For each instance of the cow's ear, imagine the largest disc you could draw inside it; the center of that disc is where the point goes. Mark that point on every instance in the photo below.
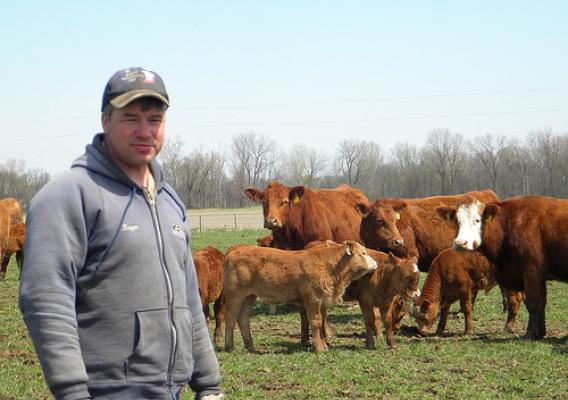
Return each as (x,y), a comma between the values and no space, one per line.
(393,260)
(254,194)
(446,212)
(296,194)
(491,210)
(348,247)
(399,205)
(363,208)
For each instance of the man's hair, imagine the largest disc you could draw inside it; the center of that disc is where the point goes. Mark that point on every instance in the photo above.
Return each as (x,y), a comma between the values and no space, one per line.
(145,103)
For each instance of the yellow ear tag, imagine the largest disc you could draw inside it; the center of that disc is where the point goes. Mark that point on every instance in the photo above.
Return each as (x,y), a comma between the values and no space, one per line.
(397,215)
(296,199)
(488,219)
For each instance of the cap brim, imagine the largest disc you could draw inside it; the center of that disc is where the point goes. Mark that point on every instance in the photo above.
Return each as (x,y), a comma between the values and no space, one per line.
(126,98)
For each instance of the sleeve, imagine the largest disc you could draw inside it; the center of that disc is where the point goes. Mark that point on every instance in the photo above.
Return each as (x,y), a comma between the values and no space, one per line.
(206,378)
(55,249)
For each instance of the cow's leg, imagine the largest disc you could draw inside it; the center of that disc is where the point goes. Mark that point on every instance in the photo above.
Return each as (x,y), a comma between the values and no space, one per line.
(444,311)
(244,322)
(535,301)
(514,300)
(326,332)
(206,312)
(504,298)
(315,320)
(304,327)
(386,316)
(369,317)
(232,309)
(219,311)
(4,266)
(466,305)
(20,261)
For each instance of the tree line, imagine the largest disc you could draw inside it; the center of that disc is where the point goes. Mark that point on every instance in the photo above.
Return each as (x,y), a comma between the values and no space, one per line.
(447,163)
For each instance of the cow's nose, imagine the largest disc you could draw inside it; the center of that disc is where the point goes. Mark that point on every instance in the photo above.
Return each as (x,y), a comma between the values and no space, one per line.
(398,242)
(460,243)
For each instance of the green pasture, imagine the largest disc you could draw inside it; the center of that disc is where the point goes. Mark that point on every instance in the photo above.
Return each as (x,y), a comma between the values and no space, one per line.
(489,364)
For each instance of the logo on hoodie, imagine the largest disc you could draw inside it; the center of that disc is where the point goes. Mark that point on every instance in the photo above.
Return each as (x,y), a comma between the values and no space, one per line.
(129,228)
(177,231)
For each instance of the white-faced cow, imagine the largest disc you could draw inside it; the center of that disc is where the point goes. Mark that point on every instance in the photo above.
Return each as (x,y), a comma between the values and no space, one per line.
(526,238)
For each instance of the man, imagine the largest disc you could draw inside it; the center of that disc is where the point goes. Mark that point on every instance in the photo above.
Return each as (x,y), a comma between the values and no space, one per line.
(109,291)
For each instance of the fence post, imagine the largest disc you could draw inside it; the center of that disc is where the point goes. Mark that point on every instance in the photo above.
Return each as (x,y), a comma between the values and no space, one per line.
(235,218)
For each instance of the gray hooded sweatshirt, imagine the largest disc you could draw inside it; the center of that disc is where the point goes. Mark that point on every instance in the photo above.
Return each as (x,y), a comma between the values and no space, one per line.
(109,291)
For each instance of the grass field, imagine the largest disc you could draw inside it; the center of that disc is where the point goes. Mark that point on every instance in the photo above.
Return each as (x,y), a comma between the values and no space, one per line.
(489,364)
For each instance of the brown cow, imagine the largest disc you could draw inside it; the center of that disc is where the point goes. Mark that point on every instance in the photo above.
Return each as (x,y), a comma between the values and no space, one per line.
(385,288)
(315,278)
(525,238)
(4,238)
(300,215)
(15,244)
(209,267)
(458,276)
(412,227)
(14,208)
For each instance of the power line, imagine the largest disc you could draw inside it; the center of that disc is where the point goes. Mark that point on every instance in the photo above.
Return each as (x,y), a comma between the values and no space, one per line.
(317,122)
(416,117)
(315,102)
(375,100)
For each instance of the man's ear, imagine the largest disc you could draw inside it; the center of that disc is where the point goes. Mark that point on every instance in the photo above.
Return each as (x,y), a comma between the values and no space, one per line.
(104,121)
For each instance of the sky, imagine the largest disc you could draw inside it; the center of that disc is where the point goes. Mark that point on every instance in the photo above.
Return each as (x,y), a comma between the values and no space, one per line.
(300,72)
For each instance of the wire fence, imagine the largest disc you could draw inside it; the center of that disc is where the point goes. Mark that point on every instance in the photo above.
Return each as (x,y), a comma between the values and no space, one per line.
(241,220)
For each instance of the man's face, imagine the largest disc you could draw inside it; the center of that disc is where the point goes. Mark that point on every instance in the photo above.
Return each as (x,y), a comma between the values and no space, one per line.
(134,135)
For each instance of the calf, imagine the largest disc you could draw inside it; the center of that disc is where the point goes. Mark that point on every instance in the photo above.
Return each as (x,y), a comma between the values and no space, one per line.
(315,279)
(386,288)
(209,267)
(457,276)
(14,244)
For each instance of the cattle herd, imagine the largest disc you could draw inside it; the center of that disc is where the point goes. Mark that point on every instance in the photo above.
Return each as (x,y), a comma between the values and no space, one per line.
(331,245)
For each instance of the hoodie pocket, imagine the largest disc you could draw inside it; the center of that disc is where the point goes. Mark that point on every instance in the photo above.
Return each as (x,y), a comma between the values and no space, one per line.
(183,367)
(149,360)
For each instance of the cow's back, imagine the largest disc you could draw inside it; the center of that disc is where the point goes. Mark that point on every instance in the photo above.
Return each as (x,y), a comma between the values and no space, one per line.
(325,214)
(14,209)
(535,227)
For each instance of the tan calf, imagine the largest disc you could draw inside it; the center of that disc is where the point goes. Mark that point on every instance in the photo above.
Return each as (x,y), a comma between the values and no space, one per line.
(386,288)
(315,279)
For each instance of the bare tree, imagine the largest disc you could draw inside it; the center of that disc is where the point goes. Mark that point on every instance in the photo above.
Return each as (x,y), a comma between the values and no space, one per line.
(357,162)
(252,162)
(303,166)
(444,151)
(491,152)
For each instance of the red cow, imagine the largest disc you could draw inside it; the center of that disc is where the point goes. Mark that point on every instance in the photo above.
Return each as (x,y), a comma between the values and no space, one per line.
(209,267)
(412,227)
(15,244)
(525,238)
(300,215)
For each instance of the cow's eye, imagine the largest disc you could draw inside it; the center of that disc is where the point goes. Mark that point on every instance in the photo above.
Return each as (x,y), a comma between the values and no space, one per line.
(477,220)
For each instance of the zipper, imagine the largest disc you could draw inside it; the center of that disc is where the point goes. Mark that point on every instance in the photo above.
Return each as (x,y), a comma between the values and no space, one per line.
(151,200)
